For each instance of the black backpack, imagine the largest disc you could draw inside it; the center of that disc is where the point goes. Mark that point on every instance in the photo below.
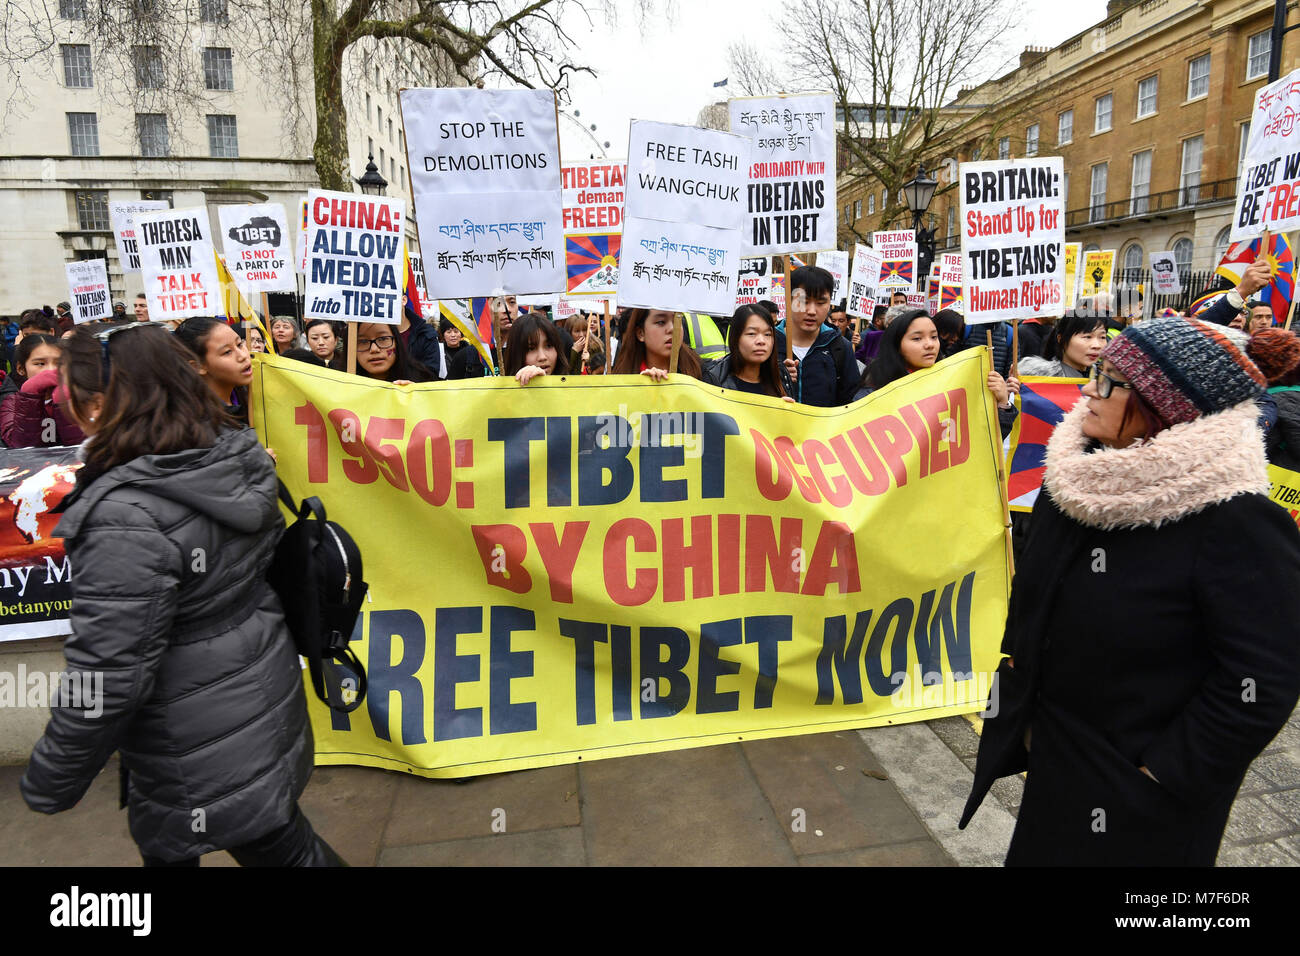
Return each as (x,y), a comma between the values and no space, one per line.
(317,574)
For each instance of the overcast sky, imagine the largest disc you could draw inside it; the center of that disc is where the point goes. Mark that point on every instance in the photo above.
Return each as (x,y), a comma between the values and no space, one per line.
(666,70)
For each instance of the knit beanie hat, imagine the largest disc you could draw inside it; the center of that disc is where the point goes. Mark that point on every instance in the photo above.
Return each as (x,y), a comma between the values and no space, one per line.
(1183,368)
(1275,351)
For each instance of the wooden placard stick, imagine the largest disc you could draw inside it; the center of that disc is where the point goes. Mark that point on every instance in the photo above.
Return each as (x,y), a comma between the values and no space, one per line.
(787,294)
(352,348)
(678,331)
(1015,346)
(607,361)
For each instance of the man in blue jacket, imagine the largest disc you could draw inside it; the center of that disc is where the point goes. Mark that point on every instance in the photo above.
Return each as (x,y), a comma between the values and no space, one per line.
(820,360)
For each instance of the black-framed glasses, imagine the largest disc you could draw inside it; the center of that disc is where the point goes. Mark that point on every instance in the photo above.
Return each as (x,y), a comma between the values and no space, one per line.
(383,342)
(1106,384)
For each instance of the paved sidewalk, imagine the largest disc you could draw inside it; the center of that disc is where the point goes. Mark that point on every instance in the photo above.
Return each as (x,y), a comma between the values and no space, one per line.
(733,805)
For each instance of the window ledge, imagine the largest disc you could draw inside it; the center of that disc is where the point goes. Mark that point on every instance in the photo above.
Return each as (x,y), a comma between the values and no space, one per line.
(1195,99)
(1101,131)
(1139,119)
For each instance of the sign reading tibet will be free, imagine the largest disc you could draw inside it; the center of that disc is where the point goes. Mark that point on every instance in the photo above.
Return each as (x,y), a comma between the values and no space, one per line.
(354,257)
(485,170)
(1268,191)
(88,290)
(178,263)
(864,281)
(122,215)
(593,225)
(791,189)
(685,212)
(1013,239)
(256,240)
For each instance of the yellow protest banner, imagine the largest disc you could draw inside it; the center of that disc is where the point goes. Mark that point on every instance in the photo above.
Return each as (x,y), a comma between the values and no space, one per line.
(592,567)
(1098,267)
(1285,489)
(1071,273)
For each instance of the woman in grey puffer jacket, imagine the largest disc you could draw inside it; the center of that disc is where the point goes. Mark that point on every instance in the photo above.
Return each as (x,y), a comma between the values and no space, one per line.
(170,531)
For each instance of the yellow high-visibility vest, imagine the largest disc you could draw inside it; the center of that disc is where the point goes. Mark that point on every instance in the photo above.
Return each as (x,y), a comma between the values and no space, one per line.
(703,335)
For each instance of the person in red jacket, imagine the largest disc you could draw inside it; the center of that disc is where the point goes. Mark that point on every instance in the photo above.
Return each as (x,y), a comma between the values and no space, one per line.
(29,415)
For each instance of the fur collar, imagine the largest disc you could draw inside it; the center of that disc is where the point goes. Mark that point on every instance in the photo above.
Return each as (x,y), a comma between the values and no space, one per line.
(1179,472)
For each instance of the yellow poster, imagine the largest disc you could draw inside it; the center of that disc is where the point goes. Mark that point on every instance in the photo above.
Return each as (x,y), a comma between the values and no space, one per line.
(590,567)
(1098,267)
(1285,490)
(1071,273)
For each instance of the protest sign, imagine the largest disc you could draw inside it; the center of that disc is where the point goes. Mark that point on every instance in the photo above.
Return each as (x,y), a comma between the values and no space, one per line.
(300,255)
(917,300)
(950,282)
(1284,489)
(88,291)
(897,258)
(122,216)
(837,264)
(485,171)
(1268,188)
(417,269)
(932,288)
(354,257)
(593,223)
(1164,274)
(759,596)
(256,240)
(864,281)
(754,282)
(684,212)
(790,193)
(1013,237)
(35,575)
(1071,273)
(178,263)
(1098,267)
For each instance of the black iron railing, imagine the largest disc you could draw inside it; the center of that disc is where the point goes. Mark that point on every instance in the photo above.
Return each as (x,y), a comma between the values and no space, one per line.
(1152,204)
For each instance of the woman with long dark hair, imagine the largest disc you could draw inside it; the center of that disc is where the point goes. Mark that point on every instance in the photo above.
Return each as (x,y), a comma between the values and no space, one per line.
(171,527)
(221,359)
(28,406)
(1070,349)
(750,364)
(646,346)
(535,348)
(382,354)
(1151,629)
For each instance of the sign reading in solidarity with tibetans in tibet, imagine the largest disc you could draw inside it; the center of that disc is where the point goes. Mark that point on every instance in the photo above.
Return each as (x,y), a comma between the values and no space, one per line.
(837,264)
(685,213)
(354,257)
(790,196)
(593,225)
(88,290)
(178,263)
(1268,190)
(485,170)
(897,258)
(256,240)
(864,281)
(601,583)
(122,215)
(1013,238)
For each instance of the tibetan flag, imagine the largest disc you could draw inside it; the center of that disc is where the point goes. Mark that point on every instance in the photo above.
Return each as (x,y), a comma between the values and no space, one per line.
(1043,403)
(950,298)
(235,307)
(410,286)
(932,290)
(1204,302)
(899,269)
(1281,263)
(592,258)
(456,311)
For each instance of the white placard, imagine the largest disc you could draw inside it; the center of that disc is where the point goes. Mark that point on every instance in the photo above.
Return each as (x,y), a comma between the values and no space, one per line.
(1268,189)
(1013,239)
(178,263)
(354,257)
(864,281)
(256,242)
(1164,274)
(593,224)
(837,264)
(122,215)
(485,171)
(88,292)
(791,190)
(897,250)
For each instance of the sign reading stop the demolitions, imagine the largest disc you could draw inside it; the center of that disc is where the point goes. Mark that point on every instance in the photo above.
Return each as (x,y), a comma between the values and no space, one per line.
(593,225)
(1013,238)
(1268,192)
(178,263)
(354,257)
(88,290)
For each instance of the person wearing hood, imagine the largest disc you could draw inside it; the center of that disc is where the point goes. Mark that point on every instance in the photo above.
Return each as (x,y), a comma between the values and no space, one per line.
(1151,653)
(1277,354)
(818,359)
(171,527)
(421,338)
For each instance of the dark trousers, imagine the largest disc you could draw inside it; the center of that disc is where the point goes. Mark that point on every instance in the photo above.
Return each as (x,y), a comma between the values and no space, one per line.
(294,844)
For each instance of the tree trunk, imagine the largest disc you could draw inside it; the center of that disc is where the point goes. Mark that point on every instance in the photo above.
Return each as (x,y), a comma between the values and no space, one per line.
(330,151)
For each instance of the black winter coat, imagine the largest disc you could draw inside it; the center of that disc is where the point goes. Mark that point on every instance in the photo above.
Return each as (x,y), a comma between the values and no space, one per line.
(422,342)
(1283,439)
(1166,645)
(829,374)
(202,689)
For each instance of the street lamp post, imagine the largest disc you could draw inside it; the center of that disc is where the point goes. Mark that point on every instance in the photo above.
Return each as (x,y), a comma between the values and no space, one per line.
(919,191)
(372,182)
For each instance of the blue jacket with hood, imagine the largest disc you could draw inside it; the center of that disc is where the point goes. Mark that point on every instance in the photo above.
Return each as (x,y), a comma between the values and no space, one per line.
(828,374)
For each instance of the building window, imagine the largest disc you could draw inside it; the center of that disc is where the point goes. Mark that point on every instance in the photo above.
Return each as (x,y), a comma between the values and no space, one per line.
(1133,262)
(92,210)
(1065,128)
(152,130)
(148,67)
(976,153)
(1097,206)
(1141,186)
(1198,77)
(1241,152)
(1004,147)
(1031,140)
(884,199)
(379,114)
(848,213)
(218,69)
(871,205)
(83,134)
(390,130)
(1147,90)
(1065,191)
(72,9)
(381,160)
(1258,49)
(76,66)
(1190,181)
(952,221)
(165,195)
(401,177)
(857,209)
(1103,114)
(223,137)
(370,146)
(213,11)
(367,107)
(1183,257)
(392,169)
(1221,244)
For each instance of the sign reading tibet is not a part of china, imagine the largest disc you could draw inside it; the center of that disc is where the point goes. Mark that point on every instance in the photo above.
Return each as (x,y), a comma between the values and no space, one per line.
(1013,238)
(354,257)
(685,212)
(256,240)
(88,290)
(485,170)
(178,263)
(593,225)
(1268,190)
(791,189)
